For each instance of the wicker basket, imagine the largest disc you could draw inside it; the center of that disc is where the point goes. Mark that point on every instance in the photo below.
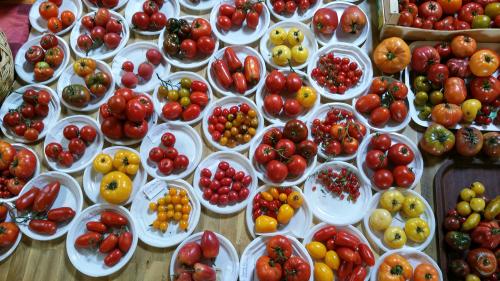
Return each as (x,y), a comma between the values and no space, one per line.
(6,67)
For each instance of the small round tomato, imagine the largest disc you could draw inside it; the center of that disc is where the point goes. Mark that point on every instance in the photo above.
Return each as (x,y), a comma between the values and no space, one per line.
(168,139)
(31,134)
(48,10)
(398,110)
(77,146)
(166,166)
(398,90)
(403,176)
(70,132)
(376,159)
(188,48)
(273,104)
(276,171)
(383,179)
(381,142)
(65,158)
(400,154)
(156,154)
(55,25)
(350,145)
(53,149)
(67,18)
(181,162)
(264,153)
(296,165)
(88,133)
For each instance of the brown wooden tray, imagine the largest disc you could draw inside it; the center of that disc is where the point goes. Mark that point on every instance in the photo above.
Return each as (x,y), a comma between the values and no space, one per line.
(454,175)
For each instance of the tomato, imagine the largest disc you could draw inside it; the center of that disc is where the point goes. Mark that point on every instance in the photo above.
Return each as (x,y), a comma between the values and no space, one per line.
(113,258)
(353,20)
(379,85)
(98,34)
(264,153)
(273,104)
(31,134)
(226,10)
(70,132)
(200,27)
(398,110)
(446,114)
(423,57)
(403,176)
(12,119)
(46,197)
(376,159)
(485,89)
(125,241)
(102,17)
(3,212)
(272,136)
(252,19)
(405,19)
(438,73)
(482,261)
(484,63)
(112,128)
(295,130)
(172,110)
(380,116)
(238,17)
(89,239)
(240,83)
(60,214)
(20,129)
(88,133)
(67,18)
(166,166)
(77,146)
(463,46)
(158,21)
(44,227)
(112,40)
(325,21)
(205,44)
(366,254)
(23,164)
(135,130)
(141,20)
(350,145)
(14,186)
(296,165)
(114,26)
(8,234)
(55,25)
(367,103)
(400,154)
(348,255)
(48,10)
(437,140)
(276,171)
(450,7)
(381,141)
(268,270)
(188,48)
(191,112)
(34,54)
(251,69)
(285,148)
(383,179)
(135,110)
(307,149)
(426,272)
(398,90)
(297,269)
(108,244)
(88,22)
(430,9)
(209,244)
(113,219)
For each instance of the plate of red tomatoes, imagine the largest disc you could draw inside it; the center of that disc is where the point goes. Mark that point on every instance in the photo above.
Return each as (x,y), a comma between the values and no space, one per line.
(99,35)
(389,160)
(42,59)
(340,71)
(102,240)
(188,42)
(336,130)
(282,154)
(29,112)
(149,17)
(139,66)
(11,236)
(171,151)
(340,22)
(241,113)
(57,16)
(239,22)
(58,195)
(114,5)
(277,255)
(338,193)
(72,143)
(384,107)
(293,10)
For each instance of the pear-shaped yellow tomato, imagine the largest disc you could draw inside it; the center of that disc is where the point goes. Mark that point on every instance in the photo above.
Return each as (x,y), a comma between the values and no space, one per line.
(266,224)
(413,207)
(278,36)
(281,55)
(380,219)
(115,187)
(317,250)
(285,214)
(322,272)
(417,230)
(470,108)
(394,237)
(332,259)
(392,200)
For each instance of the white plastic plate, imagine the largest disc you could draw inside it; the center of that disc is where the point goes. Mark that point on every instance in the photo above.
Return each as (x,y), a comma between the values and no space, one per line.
(15,99)
(188,142)
(339,35)
(355,54)
(92,7)
(303,17)
(198,7)
(417,165)
(175,78)
(242,52)
(391,126)
(7,251)
(239,35)
(40,24)
(101,53)
(55,134)
(266,47)
(144,218)
(330,208)
(25,69)
(282,118)
(170,8)
(92,179)
(185,63)
(70,195)
(226,263)
(89,261)
(257,248)
(260,170)
(239,163)
(321,113)
(300,223)
(399,220)
(227,102)
(69,77)
(414,257)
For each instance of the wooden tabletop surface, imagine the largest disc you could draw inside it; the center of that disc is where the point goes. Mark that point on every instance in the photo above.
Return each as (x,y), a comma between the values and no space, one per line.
(48,261)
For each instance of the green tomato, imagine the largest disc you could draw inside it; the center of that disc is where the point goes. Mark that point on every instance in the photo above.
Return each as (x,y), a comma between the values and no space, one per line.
(186,83)
(185,101)
(425,113)
(492,10)
(421,98)
(184,92)
(422,84)
(173,95)
(436,97)
(481,21)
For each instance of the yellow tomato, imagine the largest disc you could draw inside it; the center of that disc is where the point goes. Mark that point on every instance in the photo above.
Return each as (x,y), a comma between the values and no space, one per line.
(115,187)
(274,192)
(306,96)
(463,208)
(281,55)
(285,214)
(295,199)
(173,95)
(413,207)
(317,250)
(265,224)
(472,277)
(477,204)
(283,197)
(300,54)
(470,108)
(103,163)
(380,219)
(295,36)
(126,162)
(394,237)
(478,188)
(471,222)
(392,200)
(266,196)
(322,272)
(332,260)
(467,194)
(417,230)
(278,36)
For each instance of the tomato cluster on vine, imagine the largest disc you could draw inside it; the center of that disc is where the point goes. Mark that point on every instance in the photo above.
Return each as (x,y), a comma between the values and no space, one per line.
(336,74)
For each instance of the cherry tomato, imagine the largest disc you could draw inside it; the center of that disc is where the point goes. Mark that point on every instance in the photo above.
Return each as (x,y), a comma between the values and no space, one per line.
(380,116)
(70,132)
(383,178)
(376,159)
(403,176)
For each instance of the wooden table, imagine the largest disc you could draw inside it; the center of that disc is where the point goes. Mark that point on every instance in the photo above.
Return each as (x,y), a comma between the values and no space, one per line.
(46,261)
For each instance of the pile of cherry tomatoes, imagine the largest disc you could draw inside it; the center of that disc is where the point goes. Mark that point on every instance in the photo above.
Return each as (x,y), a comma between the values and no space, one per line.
(169,160)
(104,30)
(79,139)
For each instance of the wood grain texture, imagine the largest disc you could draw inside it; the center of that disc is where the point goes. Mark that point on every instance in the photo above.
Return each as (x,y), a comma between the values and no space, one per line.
(46,261)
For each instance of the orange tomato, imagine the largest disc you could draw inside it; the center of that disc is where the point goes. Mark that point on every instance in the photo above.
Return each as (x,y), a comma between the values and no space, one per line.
(338,132)
(48,10)
(450,6)
(455,90)
(425,272)
(55,25)
(484,63)
(67,18)
(395,268)
(446,114)
(463,46)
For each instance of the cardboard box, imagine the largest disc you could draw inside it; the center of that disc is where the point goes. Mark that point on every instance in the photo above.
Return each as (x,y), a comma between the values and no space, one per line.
(388,16)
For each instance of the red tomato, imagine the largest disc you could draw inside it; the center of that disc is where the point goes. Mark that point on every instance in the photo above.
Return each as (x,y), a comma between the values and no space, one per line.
(273,104)
(77,146)
(88,133)
(113,219)
(141,20)
(350,145)
(108,244)
(380,116)
(252,20)
(65,159)
(157,21)
(325,21)
(333,148)
(96,226)
(181,162)
(238,17)
(113,258)
(135,111)
(114,26)
(46,197)
(125,241)
(150,7)
(267,269)
(275,82)
(112,128)
(400,154)
(188,48)
(172,110)
(70,132)
(168,139)
(48,41)
(166,166)
(61,214)
(264,153)
(285,148)
(292,108)
(367,103)
(297,268)
(200,27)
(45,227)
(383,179)
(67,18)
(224,22)
(191,112)
(14,186)
(276,171)
(376,159)
(23,165)
(135,130)
(48,10)
(112,40)
(226,10)
(398,111)
(8,235)
(88,22)
(381,141)
(403,176)
(31,134)
(272,136)
(398,90)
(279,248)
(405,19)
(296,165)
(430,9)
(25,201)
(88,240)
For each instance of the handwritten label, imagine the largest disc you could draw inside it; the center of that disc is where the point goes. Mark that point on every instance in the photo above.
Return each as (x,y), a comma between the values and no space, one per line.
(154,189)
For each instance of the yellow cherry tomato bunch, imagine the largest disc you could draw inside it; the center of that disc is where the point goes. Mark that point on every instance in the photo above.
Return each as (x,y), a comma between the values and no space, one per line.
(173,207)
(288,46)
(472,205)
(275,207)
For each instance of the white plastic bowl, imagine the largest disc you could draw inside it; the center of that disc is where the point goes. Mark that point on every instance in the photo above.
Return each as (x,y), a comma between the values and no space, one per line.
(92,179)
(188,142)
(70,195)
(170,8)
(417,165)
(69,77)
(239,35)
(330,208)
(25,69)
(55,134)
(101,53)
(282,118)
(296,15)
(40,24)
(175,78)
(91,262)
(143,218)
(136,53)
(266,47)
(15,99)
(242,52)
(198,8)
(355,54)
(227,102)
(300,223)
(239,163)
(399,220)
(91,7)
(6,252)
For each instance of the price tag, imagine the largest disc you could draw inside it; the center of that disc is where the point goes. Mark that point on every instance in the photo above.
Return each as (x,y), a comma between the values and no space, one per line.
(154,189)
